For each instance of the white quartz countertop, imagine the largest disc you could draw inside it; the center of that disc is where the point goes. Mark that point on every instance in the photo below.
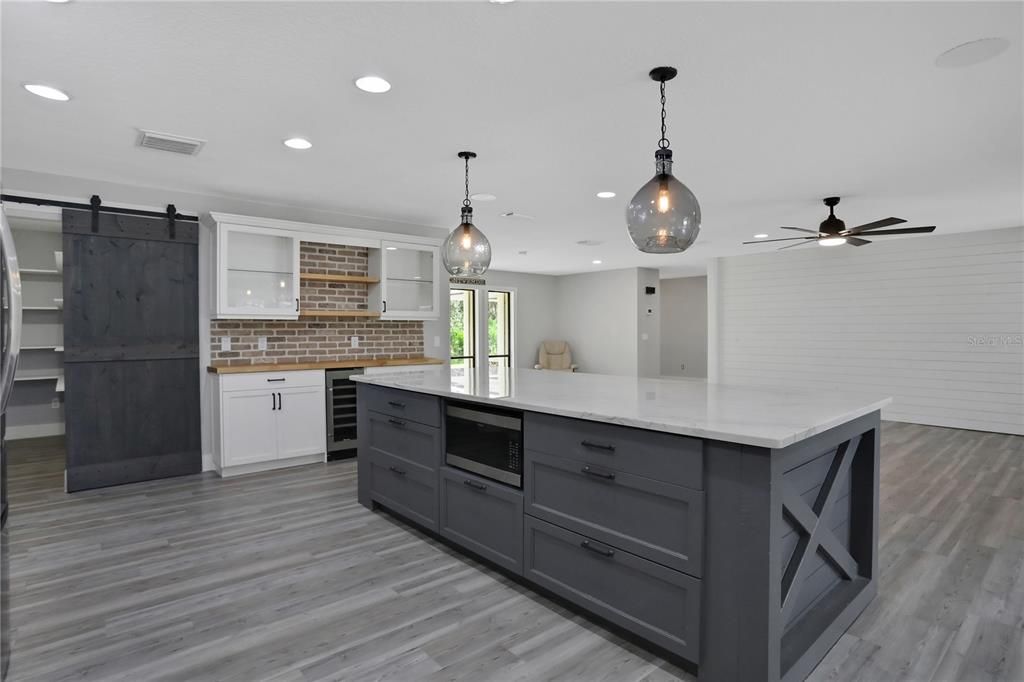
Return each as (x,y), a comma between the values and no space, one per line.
(762,416)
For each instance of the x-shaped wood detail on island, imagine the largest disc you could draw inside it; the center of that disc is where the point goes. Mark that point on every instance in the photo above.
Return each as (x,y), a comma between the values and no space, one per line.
(812,523)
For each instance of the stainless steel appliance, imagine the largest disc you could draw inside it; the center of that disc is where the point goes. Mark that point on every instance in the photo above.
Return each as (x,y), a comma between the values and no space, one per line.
(486,441)
(341,413)
(10,321)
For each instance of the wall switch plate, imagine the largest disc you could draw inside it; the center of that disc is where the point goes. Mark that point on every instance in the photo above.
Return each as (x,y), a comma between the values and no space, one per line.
(261,343)
(354,341)
(55,403)
(225,344)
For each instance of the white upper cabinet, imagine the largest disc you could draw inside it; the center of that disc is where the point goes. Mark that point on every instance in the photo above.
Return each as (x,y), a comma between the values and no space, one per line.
(409,287)
(257,271)
(257,274)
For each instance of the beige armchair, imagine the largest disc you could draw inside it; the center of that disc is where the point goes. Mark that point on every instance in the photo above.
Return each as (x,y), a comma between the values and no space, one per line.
(555,355)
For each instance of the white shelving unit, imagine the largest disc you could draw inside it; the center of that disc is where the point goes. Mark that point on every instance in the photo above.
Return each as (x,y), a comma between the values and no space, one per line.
(37,402)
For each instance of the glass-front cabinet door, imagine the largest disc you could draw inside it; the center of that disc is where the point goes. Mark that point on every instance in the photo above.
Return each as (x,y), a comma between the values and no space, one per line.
(258,274)
(409,281)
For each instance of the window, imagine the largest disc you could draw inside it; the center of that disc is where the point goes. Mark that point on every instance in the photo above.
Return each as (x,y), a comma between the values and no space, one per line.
(462,310)
(499,332)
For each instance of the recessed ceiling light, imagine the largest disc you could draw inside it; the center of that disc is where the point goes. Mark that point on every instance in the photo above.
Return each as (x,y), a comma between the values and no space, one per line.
(58,1)
(761,236)
(605,195)
(47,92)
(502,2)
(482,196)
(391,248)
(596,262)
(374,84)
(522,253)
(971,53)
(297,143)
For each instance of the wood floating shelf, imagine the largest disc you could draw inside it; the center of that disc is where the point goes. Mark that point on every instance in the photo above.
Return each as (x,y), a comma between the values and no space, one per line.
(339,313)
(353,279)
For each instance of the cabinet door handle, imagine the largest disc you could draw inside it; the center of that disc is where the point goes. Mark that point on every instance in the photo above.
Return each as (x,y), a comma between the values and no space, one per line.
(279,402)
(474,485)
(273,402)
(396,422)
(597,550)
(607,475)
(395,403)
(278,379)
(400,472)
(385,306)
(296,305)
(597,446)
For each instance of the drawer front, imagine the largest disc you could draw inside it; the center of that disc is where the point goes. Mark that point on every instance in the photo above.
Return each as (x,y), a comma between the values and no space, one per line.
(658,521)
(403,438)
(272,381)
(654,602)
(404,487)
(483,516)
(425,409)
(661,456)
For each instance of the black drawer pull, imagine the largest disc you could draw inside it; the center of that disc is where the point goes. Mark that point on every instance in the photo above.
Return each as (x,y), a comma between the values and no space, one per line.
(400,472)
(597,446)
(395,403)
(396,422)
(597,550)
(475,485)
(607,475)
(281,379)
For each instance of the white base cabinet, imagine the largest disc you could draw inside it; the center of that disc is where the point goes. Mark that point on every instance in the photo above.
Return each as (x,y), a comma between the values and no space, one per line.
(267,420)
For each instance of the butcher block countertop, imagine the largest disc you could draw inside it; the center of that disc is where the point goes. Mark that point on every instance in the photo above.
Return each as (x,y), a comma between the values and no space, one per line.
(321,364)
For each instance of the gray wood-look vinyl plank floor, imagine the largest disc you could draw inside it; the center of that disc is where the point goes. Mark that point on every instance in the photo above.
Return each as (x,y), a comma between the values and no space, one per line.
(283,576)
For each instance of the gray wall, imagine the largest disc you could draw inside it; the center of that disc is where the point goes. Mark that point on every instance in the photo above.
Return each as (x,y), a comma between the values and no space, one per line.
(597,315)
(648,323)
(684,327)
(536,315)
(934,321)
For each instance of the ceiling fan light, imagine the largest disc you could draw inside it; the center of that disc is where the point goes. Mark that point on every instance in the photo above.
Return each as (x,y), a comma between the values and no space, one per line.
(832,241)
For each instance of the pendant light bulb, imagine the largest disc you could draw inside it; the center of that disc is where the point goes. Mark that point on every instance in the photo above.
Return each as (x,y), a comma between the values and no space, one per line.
(466,251)
(664,216)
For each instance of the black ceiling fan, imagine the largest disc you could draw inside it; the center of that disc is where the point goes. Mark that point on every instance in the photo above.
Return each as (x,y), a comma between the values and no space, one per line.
(833,232)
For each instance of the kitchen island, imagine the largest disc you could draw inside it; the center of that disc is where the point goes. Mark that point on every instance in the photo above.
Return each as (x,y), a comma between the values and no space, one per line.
(734,527)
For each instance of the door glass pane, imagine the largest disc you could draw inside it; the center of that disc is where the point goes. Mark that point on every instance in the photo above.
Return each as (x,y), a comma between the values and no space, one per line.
(410,296)
(462,341)
(409,264)
(260,273)
(499,331)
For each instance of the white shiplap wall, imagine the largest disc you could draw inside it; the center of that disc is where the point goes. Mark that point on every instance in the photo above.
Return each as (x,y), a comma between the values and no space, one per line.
(935,321)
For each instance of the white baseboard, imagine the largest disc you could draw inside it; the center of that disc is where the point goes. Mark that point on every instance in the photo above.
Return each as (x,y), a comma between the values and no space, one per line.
(34,431)
(241,469)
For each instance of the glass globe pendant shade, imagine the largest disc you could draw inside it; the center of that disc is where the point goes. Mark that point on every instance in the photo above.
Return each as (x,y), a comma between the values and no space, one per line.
(664,216)
(466,250)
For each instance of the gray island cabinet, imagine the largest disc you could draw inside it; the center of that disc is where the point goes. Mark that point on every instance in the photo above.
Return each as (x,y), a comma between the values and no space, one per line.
(733,527)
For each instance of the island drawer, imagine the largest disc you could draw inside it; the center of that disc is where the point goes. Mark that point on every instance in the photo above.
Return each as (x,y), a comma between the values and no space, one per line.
(402,438)
(417,407)
(662,456)
(403,487)
(650,600)
(483,516)
(655,520)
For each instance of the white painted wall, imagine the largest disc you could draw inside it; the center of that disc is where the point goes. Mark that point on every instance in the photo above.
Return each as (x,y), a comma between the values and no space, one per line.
(597,315)
(936,322)
(648,323)
(536,315)
(684,327)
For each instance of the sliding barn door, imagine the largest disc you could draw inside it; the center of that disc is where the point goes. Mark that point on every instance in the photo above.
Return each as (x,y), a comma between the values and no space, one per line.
(131,349)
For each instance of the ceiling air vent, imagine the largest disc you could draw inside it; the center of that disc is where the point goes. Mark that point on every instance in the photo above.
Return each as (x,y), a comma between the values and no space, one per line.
(166,142)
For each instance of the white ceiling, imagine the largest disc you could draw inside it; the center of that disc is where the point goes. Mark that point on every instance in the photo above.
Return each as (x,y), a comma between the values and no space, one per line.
(776,106)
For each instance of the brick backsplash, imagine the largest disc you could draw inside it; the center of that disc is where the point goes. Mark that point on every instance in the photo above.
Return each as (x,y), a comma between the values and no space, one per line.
(313,340)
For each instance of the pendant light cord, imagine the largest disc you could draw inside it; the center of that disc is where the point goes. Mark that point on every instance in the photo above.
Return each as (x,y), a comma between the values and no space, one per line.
(466,202)
(663,142)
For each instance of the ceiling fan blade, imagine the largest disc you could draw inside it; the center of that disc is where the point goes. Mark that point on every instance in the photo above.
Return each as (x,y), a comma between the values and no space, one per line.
(885,222)
(857,242)
(799,229)
(904,230)
(809,240)
(787,239)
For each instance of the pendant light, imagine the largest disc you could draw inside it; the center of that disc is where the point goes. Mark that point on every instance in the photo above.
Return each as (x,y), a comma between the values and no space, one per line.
(664,216)
(467,251)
